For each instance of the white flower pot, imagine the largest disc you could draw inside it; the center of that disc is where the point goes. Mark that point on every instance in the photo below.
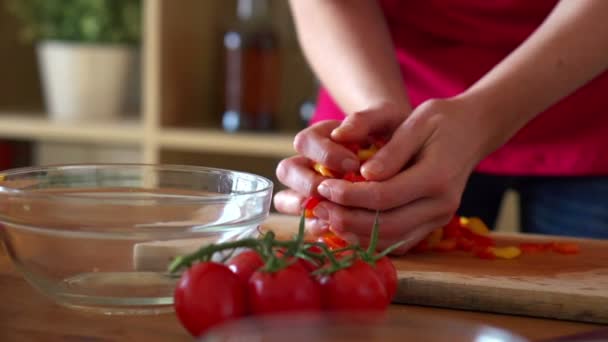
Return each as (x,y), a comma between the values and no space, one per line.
(86,81)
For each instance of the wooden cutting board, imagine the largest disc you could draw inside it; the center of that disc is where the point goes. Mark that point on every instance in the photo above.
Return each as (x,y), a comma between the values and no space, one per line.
(551,285)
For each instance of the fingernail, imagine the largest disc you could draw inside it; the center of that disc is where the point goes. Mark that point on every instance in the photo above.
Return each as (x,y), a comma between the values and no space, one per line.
(373,167)
(324,190)
(349,164)
(321,212)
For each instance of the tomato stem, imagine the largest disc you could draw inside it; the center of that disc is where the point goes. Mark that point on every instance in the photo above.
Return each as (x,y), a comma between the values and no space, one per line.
(375,232)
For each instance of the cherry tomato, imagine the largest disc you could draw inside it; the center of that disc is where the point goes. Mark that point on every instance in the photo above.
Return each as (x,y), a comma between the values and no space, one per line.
(388,275)
(288,290)
(244,264)
(356,288)
(306,264)
(208,294)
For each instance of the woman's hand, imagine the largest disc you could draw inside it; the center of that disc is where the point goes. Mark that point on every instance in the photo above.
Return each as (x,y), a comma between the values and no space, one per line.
(416,179)
(321,143)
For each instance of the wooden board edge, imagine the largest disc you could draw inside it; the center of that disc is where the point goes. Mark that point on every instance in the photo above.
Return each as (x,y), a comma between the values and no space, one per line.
(571,307)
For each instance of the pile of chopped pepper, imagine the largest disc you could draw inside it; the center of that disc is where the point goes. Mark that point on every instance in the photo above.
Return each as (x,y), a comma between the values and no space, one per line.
(468,234)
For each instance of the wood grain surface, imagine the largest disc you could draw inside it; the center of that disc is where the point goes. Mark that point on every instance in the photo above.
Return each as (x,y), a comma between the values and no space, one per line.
(26,315)
(551,285)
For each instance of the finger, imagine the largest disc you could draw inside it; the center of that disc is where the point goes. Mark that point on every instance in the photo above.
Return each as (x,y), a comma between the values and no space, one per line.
(295,172)
(358,126)
(393,224)
(314,143)
(407,140)
(289,202)
(414,183)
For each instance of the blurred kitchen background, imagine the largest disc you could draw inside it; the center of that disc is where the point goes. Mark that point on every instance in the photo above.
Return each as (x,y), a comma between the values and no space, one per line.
(217,83)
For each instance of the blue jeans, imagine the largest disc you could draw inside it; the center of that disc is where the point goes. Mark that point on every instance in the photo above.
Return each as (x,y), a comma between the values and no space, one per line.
(569,206)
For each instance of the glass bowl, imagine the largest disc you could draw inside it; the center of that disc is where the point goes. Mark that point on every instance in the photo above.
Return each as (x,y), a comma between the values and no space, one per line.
(364,327)
(100,237)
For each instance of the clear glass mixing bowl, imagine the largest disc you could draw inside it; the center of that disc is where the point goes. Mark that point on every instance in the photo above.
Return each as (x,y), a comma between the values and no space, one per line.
(100,237)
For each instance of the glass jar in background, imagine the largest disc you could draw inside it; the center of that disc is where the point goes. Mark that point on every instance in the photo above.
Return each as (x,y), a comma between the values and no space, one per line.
(251,70)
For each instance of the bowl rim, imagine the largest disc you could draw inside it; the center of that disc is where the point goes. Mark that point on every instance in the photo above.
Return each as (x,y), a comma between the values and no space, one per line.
(16,192)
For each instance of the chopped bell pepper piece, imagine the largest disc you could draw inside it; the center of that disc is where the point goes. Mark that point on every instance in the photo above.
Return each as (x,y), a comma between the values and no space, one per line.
(445,245)
(332,241)
(475,224)
(530,247)
(453,228)
(508,252)
(566,248)
(365,154)
(309,205)
(435,237)
(485,253)
(322,170)
(353,177)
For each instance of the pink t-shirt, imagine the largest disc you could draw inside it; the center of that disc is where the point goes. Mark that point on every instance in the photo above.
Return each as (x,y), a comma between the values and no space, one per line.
(444,46)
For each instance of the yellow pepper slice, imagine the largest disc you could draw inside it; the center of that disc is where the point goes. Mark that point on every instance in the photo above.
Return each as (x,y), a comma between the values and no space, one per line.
(475,224)
(322,170)
(509,252)
(366,153)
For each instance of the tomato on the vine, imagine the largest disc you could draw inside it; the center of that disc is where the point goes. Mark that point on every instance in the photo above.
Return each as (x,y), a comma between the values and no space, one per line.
(244,264)
(290,289)
(208,294)
(356,288)
(388,275)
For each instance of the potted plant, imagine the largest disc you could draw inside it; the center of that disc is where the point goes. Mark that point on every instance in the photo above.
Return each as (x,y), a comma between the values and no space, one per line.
(87,52)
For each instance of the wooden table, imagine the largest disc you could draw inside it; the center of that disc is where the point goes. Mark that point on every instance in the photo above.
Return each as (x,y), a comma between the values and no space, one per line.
(26,315)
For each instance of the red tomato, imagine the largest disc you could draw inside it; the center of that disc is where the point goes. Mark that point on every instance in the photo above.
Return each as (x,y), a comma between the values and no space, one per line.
(388,275)
(288,290)
(307,265)
(357,288)
(244,264)
(208,294)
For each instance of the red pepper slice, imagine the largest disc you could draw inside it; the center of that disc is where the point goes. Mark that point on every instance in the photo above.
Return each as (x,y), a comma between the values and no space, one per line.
(354,177)
(446,245)
(310,204)
(332,241)
(485,253)
(464,244)
(453,229)
(531,247)
(566,248)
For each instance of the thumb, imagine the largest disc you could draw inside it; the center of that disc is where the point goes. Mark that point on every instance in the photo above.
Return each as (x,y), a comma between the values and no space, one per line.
(360,125)
(406,142)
